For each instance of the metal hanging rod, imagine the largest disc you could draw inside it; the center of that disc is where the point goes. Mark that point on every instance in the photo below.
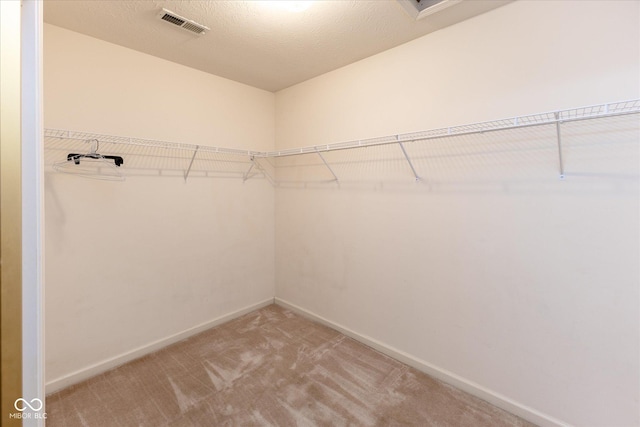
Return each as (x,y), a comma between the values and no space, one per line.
(554,117)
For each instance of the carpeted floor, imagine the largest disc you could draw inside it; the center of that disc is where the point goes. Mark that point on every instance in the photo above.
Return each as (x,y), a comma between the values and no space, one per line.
(269,368)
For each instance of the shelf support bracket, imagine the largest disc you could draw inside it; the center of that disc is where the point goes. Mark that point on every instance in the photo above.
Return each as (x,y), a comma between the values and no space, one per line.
(406,156)
(246,174)
(266,174)
(335,177)
(559,139)
(186,174)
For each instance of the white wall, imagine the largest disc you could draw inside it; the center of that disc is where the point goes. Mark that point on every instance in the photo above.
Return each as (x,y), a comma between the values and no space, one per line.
(519,59)
(133,263)
(517,283)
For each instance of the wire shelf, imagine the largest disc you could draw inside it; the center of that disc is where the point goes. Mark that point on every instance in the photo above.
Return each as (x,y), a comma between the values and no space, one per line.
(561,116)
(150,157)
(124,140)
(173,158)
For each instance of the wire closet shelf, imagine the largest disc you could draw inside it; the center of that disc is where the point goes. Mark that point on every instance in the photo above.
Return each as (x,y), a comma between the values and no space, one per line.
(203,160)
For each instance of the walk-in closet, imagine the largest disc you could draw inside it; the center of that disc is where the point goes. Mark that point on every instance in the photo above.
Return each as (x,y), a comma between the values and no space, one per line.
(376,213)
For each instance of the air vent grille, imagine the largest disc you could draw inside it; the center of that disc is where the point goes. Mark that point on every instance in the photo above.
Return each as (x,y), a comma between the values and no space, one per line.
(194,27)
(172,19)
(182,22)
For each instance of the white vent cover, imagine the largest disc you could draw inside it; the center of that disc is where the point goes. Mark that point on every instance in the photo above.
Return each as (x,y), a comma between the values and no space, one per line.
(418,9)
(182,22)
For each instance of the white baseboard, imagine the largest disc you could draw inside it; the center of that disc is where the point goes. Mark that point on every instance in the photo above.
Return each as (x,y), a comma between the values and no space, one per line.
(457,381)
(113,362)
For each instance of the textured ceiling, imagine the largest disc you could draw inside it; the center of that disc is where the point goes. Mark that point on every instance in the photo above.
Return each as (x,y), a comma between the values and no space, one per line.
(259,43)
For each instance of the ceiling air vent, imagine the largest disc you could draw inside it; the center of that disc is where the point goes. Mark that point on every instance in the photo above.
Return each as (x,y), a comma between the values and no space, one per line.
(182,22)
(418,9)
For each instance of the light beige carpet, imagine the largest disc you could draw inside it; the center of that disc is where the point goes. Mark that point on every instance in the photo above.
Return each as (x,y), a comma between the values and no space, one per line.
(269,368)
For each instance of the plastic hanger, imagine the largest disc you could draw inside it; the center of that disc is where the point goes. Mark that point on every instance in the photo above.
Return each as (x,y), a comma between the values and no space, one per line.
(92,164)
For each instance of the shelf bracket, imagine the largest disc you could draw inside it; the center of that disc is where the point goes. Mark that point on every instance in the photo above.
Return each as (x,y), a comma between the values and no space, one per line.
(255,163)
(559,139)
(186,174)
(335,177)
(246,174)
(266,174)
(406,156)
